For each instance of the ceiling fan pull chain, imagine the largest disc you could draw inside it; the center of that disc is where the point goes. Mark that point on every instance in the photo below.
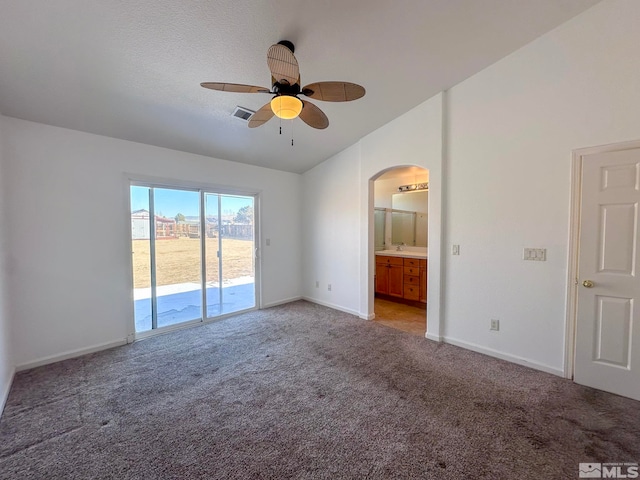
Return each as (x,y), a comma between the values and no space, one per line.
(292,122)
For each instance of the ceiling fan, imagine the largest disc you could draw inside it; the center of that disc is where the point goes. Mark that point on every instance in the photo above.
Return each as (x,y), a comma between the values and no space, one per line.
(285,88)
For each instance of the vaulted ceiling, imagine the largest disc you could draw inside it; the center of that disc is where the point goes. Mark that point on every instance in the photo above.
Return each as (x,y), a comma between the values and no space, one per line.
(132,70)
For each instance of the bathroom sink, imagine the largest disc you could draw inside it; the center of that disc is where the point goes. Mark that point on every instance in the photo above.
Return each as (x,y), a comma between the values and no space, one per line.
(422,253)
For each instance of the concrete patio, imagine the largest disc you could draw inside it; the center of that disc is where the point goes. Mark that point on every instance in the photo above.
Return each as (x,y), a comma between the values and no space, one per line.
(183,302)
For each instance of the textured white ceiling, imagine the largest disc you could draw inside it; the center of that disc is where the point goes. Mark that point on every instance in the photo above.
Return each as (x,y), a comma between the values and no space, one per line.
(132,69)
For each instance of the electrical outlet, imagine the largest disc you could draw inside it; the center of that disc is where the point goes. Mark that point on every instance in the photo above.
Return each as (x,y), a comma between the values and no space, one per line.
(535,254)
(455,250)
(495,324)
(268,242)
(329,287)
(317,284)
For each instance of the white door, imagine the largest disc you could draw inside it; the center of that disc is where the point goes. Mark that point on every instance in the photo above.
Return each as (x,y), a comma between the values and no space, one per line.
(608,310)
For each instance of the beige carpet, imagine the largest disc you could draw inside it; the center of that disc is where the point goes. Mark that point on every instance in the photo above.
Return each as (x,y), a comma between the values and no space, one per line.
(301,391)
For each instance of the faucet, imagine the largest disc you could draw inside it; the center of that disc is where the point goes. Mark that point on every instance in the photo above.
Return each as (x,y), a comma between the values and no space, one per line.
(399,247)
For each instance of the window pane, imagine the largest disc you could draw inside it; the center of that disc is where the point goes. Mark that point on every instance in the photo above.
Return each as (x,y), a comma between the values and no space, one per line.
(167,244)
(238,268)
(141,257)
(178,256)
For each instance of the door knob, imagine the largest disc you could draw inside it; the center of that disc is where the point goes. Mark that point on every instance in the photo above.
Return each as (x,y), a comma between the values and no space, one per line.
(587,284)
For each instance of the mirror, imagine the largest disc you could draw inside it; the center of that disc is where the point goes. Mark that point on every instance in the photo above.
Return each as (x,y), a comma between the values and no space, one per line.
(410,225)
(400,212)
(404,223)
(403,227)
(379,220)
(411,201)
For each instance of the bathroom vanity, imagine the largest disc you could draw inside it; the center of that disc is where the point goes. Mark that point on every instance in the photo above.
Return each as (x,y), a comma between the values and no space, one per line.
(402,275)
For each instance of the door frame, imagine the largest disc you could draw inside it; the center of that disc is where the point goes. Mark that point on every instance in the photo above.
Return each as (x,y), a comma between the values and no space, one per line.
(577,160)
(161,182)
(433,232)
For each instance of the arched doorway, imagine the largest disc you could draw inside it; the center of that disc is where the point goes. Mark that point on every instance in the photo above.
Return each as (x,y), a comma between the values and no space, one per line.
(400,248)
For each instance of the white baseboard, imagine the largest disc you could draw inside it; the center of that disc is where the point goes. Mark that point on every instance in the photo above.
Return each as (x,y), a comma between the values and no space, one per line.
(504,356)
(370,316)
(281,302)
(70,354)
(5,391)
(331,305)
(435,338)
(104,346)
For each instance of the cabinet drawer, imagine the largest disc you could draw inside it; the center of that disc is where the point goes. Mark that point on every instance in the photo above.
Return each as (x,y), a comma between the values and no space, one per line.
(411,271)
(411,292)
(412,262)
(411,280)
(387,260)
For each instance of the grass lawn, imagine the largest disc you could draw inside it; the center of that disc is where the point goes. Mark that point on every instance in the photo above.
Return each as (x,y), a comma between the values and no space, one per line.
(178,260)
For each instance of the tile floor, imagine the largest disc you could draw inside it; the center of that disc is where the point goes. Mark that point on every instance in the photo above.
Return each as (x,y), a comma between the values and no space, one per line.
(402,317)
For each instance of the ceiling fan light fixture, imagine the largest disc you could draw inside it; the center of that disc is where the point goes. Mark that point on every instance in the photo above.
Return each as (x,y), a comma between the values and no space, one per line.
(285,86)
(286,107)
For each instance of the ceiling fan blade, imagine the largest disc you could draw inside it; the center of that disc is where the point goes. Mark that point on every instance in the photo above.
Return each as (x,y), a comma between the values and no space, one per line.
(234,87)
(313,116)
(283,64)
(334,91)
(261,116)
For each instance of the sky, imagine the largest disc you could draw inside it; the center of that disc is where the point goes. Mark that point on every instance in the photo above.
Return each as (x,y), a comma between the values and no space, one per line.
(169,202)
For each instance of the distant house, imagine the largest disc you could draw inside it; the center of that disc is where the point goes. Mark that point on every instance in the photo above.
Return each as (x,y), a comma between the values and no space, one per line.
(165,227)
(140,225)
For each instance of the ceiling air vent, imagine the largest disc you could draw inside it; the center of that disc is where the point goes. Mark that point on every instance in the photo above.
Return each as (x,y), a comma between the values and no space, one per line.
(242,113)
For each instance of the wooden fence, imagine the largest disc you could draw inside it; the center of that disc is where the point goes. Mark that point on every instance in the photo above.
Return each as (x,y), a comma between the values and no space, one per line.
(192,230)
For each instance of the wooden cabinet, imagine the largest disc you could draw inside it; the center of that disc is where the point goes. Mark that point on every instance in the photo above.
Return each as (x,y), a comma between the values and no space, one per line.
(423,280)
(382,278)
(411,267)
(402,277)
(389,275)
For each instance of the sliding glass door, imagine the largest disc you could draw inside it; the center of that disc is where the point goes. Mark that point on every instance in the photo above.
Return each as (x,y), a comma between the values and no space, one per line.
(238,252)
(178,256)
(193,255)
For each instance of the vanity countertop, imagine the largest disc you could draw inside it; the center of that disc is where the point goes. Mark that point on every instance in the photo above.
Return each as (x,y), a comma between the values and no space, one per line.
(403,253)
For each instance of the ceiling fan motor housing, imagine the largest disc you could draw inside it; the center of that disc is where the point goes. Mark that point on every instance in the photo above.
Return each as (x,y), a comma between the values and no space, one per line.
(287,44)
(283,88)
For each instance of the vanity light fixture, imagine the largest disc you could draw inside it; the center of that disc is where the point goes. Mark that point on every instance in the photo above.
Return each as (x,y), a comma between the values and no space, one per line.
(414,187)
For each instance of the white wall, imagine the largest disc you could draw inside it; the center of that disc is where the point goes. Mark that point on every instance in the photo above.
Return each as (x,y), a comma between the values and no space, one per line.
(501,179)
(6,352)
(511,130)
(71,287)
(332,226)
(338,210)
(383,189)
